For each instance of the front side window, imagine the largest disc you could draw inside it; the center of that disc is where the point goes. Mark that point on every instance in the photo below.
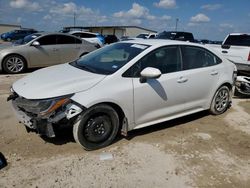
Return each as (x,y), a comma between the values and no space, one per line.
(166,59)
(47,40)
(195,57)
(109,59)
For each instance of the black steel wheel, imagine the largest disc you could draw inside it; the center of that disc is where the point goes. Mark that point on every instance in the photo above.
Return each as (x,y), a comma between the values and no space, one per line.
(97,127)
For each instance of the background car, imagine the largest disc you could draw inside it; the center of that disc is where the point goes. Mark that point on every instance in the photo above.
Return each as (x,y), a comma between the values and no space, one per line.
(110,39)
(94,38)
(43,49)
(17,34)
(146,35)
(176,35)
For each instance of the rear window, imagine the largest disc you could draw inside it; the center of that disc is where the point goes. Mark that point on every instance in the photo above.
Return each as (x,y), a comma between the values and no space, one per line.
(84,35)
(183,36)
(238,40)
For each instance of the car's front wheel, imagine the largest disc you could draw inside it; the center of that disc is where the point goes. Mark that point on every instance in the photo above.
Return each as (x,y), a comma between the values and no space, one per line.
(14,64)
(97,127)
(221,101)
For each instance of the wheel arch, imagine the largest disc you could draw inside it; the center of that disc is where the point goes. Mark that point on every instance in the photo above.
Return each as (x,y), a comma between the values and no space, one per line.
(117,108)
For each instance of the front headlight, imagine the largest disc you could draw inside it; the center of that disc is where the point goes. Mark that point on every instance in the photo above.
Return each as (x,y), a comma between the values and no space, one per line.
(42,107)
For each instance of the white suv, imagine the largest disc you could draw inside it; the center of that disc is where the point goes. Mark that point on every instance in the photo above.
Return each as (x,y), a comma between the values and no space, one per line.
(94,38)
(124,86)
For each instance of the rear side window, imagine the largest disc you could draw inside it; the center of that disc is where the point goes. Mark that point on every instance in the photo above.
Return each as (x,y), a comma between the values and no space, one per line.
(238,40)
(61,39)
(195,57)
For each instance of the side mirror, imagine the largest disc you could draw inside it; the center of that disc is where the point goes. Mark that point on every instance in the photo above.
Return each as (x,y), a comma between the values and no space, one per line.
(35,43)
(149,73)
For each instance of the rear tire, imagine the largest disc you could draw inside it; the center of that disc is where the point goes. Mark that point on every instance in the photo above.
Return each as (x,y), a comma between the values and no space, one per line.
(221,101)
(97,127)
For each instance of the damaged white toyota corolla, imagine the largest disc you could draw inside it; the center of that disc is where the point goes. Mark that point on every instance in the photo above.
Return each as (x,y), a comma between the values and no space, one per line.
(124,86)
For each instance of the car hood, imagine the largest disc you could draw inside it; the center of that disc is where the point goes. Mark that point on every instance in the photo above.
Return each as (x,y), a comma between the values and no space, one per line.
(56,81)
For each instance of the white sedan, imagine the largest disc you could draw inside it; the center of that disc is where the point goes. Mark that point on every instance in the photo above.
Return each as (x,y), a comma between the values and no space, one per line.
(124,86)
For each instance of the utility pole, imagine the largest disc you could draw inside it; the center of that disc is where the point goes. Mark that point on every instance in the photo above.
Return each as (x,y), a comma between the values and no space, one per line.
(74,19)
(176,23)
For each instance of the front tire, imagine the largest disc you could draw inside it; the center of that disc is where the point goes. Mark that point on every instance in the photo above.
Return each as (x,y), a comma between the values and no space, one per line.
(221,101)
(97,127)
(14,64)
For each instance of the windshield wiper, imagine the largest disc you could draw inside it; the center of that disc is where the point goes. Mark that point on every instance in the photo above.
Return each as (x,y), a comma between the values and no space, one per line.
(84,67)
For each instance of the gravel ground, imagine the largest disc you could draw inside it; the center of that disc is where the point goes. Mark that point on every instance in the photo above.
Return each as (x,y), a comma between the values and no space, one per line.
(200,150)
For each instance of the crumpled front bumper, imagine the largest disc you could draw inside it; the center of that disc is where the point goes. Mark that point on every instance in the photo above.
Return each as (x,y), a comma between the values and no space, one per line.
(45,125)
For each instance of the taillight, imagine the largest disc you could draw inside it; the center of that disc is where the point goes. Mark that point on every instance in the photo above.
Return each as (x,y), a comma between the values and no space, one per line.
(248,57)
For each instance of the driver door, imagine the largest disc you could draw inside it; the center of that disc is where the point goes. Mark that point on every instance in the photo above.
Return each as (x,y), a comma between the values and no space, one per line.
(46,54)
(159,98)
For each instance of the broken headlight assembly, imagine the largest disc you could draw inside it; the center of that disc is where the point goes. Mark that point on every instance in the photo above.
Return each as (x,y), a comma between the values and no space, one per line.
(42,107)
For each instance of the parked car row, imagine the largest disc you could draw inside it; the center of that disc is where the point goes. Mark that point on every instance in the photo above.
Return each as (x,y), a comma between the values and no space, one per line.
(17,34)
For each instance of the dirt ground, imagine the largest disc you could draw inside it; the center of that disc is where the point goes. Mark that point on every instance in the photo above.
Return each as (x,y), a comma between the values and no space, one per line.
(200,150)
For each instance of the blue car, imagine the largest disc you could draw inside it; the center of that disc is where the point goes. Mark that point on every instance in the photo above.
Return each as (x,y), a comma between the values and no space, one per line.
(17,34)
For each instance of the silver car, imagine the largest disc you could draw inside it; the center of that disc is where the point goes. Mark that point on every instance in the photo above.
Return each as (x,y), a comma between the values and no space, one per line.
(41,50)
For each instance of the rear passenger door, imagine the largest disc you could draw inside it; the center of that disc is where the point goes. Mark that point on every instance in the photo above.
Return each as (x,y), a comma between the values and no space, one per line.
(201,72)
(69,48)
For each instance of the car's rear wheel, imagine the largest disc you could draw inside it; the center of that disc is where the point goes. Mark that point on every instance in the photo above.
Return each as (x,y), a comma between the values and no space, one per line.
(97,127)
(14,64)
(221,101)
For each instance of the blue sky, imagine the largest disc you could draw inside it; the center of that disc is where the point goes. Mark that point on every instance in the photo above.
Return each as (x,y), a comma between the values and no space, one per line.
(212,19)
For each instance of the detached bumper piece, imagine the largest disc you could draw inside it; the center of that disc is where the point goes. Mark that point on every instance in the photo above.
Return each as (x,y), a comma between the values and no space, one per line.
(28,114)
(42,127)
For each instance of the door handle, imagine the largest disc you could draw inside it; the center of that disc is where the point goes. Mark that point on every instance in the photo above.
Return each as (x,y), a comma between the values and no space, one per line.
(55,49)
(213,73)
(224,52)
(182,80)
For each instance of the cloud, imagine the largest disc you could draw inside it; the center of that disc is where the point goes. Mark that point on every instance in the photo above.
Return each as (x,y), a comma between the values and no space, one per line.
(66,8)
(19,20)
(166,4)
(166,18)
(25,4)
(47,17)
(211,6)
(226,25)
(200,18)
(137,11)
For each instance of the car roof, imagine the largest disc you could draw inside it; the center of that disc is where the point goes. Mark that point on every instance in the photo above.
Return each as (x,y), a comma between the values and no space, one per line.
(72,32)
(239,34)
(52,33)
(161,42)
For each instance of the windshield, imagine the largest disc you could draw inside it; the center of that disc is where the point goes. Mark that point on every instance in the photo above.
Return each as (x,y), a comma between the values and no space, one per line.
(27,39)
(143,36)
(166,35)
(109,59)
